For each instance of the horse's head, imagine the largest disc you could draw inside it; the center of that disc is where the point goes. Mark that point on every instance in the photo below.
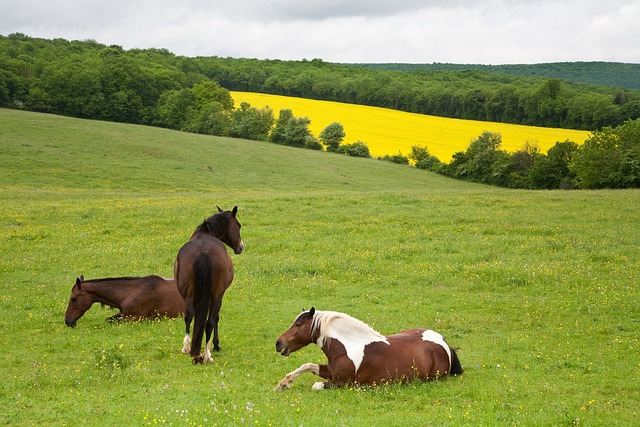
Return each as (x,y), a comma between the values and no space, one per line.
(298,335)
(224,226)
(79,302)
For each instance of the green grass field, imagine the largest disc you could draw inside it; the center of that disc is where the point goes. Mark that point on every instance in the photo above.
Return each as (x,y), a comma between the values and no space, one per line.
(537,290)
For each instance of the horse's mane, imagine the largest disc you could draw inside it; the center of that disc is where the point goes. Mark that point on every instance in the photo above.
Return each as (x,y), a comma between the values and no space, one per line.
(124,278)
(333,324)
(215,225)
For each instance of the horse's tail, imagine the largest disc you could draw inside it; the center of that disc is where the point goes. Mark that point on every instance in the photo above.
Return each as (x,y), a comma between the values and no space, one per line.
(201,298)
(456,367)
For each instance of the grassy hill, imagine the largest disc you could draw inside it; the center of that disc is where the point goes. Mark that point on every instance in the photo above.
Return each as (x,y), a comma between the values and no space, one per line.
(537,290)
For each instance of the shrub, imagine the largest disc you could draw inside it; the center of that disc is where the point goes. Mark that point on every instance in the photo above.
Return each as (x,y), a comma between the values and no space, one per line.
(356,149)
(395,158)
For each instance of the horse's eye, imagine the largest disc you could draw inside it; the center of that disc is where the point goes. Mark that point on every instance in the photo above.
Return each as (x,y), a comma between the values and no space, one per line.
(297,325)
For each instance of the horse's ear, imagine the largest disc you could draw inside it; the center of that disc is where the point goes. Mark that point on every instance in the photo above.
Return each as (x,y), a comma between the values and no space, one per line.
(82,277)
(234,211)
(312,311)
(219,210)
(79,281)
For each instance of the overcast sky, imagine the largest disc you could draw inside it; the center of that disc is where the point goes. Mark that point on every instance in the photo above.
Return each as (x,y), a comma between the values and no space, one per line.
(415,31)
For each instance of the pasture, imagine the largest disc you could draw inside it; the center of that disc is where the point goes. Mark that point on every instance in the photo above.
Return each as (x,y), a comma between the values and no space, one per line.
(387,132)
(537,291)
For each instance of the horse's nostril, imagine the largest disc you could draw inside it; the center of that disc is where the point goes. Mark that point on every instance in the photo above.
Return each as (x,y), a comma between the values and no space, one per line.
(278,343)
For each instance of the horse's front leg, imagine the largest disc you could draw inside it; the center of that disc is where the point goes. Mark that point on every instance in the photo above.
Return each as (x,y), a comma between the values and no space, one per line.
(307,367)
(186,343)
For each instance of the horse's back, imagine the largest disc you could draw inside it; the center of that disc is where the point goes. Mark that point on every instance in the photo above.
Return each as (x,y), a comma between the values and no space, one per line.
(155,296)
(219,262)
(170,302)
(407,356)
(212,247)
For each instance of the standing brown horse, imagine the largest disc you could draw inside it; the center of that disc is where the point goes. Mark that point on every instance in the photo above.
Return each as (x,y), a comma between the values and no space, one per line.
(203,271)
(135,297)
(357,354)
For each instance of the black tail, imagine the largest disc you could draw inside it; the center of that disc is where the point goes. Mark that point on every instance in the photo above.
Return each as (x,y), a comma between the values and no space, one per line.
(201,298)
(456,367)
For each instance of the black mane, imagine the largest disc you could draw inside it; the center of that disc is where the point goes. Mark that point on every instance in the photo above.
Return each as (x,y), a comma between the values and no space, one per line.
(214,225)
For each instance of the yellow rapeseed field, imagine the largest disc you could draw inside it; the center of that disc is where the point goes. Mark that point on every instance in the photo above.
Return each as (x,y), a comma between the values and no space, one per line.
(387,131)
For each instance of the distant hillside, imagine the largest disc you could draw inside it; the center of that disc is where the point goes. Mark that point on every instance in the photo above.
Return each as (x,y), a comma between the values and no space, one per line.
(614,74)
(152,86)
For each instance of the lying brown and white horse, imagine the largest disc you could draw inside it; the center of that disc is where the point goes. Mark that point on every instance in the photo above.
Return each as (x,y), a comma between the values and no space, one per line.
(357,354)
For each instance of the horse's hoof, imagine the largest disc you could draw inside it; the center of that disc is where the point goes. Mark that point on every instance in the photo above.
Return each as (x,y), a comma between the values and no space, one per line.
(281,387)
(186,350)
(197,360)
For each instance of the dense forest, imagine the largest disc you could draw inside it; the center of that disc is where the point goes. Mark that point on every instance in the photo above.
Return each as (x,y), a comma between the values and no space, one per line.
(125,85)
(155,87)
(465,94)
(614,74)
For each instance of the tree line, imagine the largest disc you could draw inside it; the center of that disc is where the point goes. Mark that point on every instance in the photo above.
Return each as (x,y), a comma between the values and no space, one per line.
(155,87)
(615,74)
(609,158)
(89,79)
(464,94)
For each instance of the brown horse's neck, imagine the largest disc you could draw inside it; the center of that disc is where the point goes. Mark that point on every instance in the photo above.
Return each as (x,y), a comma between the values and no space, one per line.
(108,292)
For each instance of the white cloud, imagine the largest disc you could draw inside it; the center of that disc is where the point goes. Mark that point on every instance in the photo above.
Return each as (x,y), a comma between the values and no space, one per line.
(457,31)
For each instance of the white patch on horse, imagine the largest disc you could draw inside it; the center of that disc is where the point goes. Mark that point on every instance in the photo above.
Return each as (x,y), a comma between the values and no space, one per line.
(435,337)
(352,333)
(186,344)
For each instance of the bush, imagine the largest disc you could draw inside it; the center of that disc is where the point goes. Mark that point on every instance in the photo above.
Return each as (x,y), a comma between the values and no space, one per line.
(610,158)
(423,159)
(395,158)
(357,149)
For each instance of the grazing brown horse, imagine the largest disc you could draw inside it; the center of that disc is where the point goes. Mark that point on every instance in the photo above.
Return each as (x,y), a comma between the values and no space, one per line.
(203,271)
(135,297)
(357,354)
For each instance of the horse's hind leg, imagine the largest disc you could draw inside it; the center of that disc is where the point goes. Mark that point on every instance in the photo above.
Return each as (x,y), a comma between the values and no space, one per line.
(186,343)
(115,317)
(207,351)
(212,325)
(215,317)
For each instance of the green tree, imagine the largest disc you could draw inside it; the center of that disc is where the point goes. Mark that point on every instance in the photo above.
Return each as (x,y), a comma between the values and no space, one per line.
(521,163)
(422,159)
(356,149)
(552,171)
(211,119)
(332,136)
(176,109)
(483,159)
(297,133)
(251,123)
(277,135)
(209,91)
(610,158)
